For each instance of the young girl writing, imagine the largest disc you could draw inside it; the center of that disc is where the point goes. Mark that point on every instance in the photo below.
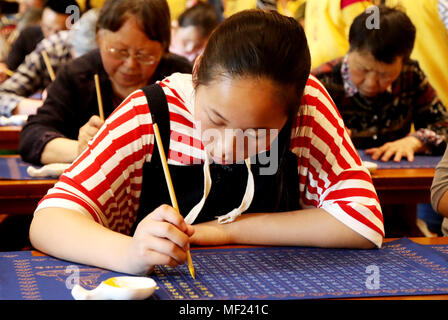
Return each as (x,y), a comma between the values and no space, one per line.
(110,208)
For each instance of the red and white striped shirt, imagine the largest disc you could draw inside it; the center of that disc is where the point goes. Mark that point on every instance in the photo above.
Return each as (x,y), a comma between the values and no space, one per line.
(105,181)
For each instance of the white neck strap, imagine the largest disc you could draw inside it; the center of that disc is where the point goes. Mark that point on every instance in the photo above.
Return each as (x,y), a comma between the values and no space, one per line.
(232,215)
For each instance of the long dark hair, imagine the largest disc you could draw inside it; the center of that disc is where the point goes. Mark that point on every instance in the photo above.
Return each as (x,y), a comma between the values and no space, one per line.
(261,44)
(153,16)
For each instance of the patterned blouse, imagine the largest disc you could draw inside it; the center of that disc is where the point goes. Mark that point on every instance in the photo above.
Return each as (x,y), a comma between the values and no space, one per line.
(410,100)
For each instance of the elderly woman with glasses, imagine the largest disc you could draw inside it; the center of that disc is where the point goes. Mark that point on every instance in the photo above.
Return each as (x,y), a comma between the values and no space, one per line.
(133,39)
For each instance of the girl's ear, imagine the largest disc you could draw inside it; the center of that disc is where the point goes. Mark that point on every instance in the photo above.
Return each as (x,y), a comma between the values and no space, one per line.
(197,62)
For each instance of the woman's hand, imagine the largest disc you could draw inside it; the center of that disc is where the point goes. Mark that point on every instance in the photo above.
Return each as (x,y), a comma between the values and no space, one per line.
(405,147)
(88,131)
(161,238)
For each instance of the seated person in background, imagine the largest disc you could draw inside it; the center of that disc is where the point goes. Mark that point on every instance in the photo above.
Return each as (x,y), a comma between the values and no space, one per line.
(431,42)
(12,16)
(32,75)
(177,7)
(133,39)
(54,19)
(32,17)
(439,194)
(191,31)
(381,93)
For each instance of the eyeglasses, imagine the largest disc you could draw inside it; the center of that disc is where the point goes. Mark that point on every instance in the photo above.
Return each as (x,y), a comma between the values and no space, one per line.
(123,54)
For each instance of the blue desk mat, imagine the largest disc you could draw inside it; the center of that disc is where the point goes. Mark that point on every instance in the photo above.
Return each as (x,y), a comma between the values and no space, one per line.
(420,161)
(399,268)
(13,168)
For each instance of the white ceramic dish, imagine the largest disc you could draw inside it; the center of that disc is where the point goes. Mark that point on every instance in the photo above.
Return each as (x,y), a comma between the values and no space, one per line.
(117,288)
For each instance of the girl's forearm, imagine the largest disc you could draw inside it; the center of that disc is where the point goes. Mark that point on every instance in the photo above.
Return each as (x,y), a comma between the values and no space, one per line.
(312,227)
(69,235)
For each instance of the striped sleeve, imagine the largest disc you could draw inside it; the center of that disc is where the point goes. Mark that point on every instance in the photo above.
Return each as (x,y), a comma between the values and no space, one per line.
(105,181)
(331,173)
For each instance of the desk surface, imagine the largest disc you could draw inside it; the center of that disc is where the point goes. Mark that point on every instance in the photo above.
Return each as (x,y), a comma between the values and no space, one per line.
(424,241)
(241,273)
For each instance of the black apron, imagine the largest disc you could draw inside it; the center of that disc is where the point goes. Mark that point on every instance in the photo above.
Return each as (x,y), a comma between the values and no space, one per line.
(228,181)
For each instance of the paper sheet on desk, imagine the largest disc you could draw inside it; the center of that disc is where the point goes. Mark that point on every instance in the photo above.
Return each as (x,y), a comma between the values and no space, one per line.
(399,268)
(420,162)
(16,120)
(53,170)
(14,168)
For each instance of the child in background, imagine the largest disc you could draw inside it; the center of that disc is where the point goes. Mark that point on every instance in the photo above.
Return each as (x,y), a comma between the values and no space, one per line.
(191,31)
(250,99)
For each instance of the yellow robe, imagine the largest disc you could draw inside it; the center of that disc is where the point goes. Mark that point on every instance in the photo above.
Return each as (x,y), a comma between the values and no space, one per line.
(291,7)
(93,4)
(234,6)
(176,8)
(327,28)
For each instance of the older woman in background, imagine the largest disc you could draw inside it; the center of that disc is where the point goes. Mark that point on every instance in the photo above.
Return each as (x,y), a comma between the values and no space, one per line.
(133,38)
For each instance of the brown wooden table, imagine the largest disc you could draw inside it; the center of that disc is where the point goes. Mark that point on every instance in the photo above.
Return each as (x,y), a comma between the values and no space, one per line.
(22,196)
(404,187)
(9,137)
(399,186)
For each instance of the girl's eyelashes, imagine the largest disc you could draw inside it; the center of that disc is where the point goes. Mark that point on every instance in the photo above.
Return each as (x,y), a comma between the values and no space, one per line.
(214,122)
